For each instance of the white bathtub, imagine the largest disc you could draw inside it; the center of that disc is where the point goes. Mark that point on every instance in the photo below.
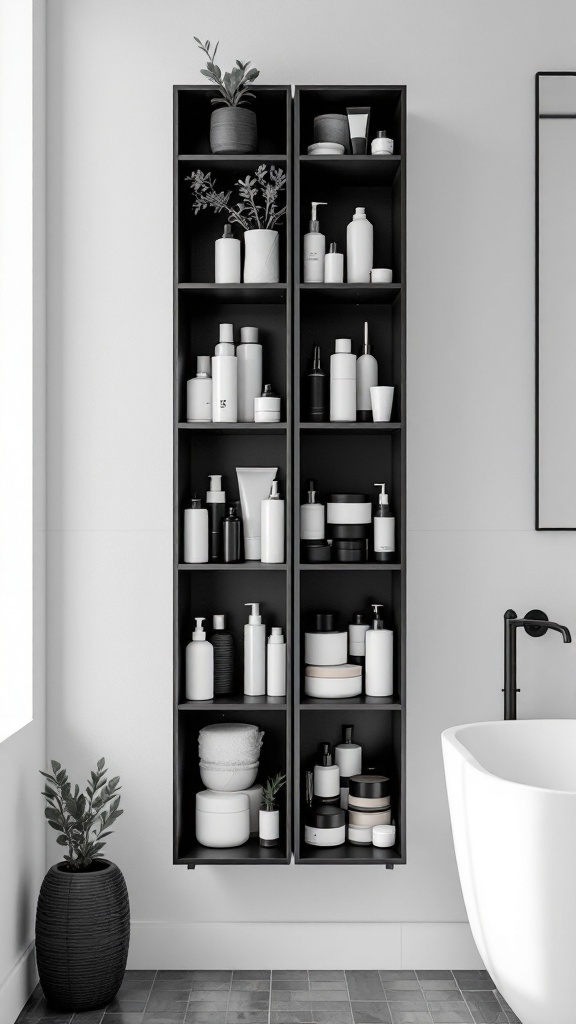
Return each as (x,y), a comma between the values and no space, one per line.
(512,795)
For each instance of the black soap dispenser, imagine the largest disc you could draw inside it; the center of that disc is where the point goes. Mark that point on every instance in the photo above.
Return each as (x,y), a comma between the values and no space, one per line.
(316,404)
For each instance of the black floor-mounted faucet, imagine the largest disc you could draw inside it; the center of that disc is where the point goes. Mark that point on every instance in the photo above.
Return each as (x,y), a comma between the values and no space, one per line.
(536,624)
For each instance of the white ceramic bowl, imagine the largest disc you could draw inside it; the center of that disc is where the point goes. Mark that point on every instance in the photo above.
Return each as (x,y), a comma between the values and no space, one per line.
(229,780)
(333,687)
(325,149)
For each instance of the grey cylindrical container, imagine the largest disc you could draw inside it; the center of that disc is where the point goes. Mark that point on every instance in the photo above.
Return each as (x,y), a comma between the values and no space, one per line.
(231,534)
(223,643)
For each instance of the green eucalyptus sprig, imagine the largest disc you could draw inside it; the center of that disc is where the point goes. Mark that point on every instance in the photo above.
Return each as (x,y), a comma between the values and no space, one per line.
(258,206)
(271,789)
(82,820)
(233,85)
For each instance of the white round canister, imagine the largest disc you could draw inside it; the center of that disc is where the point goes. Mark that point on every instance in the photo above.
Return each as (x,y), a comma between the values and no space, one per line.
(222,819)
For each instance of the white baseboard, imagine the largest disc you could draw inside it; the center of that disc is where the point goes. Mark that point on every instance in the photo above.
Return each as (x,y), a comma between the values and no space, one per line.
(295,946)
(18,985)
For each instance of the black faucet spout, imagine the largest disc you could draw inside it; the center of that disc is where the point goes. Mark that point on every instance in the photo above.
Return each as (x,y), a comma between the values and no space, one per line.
(536,623)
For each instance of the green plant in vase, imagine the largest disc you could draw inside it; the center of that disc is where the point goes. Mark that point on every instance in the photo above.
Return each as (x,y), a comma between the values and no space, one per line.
(233,127)
(269,818)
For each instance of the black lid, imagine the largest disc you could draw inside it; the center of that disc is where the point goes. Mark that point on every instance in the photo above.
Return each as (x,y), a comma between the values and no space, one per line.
(348,733)
(326,816)
(348,499)
(381,135)
(369,785)
(358,619)
(326,622)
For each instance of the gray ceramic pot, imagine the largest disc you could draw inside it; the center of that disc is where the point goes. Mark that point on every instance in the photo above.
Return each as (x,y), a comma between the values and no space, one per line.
(233,130)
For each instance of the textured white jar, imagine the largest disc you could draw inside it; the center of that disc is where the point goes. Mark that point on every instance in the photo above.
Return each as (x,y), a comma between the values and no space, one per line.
(261,257)
(222,819)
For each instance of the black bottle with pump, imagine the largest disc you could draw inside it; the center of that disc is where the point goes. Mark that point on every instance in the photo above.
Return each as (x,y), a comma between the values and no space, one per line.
(316,388)
(231,529)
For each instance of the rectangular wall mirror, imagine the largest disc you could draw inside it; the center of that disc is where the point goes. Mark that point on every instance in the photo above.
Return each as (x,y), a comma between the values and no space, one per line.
(556,301)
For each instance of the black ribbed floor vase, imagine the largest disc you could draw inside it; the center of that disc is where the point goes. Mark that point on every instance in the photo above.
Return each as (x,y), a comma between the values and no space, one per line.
(82,936)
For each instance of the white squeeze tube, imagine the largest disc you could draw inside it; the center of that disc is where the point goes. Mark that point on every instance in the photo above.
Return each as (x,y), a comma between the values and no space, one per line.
(254,484)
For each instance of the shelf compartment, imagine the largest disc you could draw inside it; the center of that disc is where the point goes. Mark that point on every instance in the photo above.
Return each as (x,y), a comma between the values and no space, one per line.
(350,854)
(349,169)
(234,702)
(193,854)
(386,104)
(272,107)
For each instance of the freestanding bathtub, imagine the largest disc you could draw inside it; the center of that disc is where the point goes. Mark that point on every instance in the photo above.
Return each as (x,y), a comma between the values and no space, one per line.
(512,795)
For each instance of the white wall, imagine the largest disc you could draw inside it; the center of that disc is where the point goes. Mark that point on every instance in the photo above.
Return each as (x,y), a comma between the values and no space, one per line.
(22,834)
(473,553)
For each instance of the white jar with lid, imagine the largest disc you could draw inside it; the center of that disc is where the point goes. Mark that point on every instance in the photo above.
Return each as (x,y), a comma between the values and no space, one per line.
(222,819)
(383,835)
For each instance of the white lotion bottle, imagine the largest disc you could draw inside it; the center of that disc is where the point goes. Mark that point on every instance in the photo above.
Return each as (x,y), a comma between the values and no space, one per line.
(312,516)
(225,378)
(359,248)
(326,775)
(276,663)
(227,258)
(384,529)
(314,250)
(333,266)
(272,526)
(195,532)
(199,666)
(379,658)
(366,378)
(254,653)
(249,356)
(343,382)
(199,393)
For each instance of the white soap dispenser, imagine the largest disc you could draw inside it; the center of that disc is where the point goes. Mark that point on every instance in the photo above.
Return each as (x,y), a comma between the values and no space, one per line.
(359,248)
(254,653)
(366,378)
(326,776)
(314,250)
(276,663)
(312,516)
(379,658)
(384,529)
(225,378)
(199,666)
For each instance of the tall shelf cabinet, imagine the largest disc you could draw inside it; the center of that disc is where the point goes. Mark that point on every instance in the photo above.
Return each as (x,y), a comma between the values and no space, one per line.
(293,317)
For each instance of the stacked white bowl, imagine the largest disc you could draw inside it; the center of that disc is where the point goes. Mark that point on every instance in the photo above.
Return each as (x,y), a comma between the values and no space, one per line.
(229,756)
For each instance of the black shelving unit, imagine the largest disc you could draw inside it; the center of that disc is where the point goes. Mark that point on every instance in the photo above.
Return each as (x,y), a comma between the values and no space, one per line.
(206,448)
(352,456)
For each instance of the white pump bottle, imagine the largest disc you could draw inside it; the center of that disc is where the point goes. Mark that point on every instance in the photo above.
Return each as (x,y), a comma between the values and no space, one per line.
(379,658)
(254,653)
(199,666)
(314,250)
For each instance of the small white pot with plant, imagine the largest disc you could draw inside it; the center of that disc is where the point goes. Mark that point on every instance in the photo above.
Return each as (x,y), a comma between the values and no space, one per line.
(233,126)
(258,213)
(269,817)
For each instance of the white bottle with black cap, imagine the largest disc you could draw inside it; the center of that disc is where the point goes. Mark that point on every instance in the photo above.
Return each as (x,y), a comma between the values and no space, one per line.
(199,666)
(276,663)
(379,670)
(312,516)
(366,378)
(272,526)
(357,639)
(384,529)
(314,250)
(227,258)
(216,507)
(348,757)
(343,382)
(199,393)
(195,532)
(254,653)
(359,248)
(249,356)
(326,775)
(225,378)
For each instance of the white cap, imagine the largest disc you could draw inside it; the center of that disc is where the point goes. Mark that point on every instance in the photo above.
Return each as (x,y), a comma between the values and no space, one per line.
(274,492)
(226,333)
(360,213)
(215,495)
(343,344)
(249,335)
(276,635)
(199,633)
(254,619)
(382,497)
(218,622)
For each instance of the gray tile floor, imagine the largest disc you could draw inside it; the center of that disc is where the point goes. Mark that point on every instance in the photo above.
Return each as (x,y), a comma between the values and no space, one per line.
(293,997)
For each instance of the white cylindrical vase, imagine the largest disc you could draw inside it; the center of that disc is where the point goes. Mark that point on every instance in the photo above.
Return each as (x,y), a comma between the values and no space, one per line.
(261,257)
(269,827)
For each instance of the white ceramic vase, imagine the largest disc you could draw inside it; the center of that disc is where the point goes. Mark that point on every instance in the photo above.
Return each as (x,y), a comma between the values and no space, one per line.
(269,827)
(261,257)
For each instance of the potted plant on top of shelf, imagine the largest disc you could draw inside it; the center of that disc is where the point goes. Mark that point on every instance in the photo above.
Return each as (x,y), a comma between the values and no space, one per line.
(83,912)
(233,127)
(269,817)
(257,212)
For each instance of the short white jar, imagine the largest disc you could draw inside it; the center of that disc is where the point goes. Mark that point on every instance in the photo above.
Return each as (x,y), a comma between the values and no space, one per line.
(267,407)
(222,819)
(325,826)
(384,835)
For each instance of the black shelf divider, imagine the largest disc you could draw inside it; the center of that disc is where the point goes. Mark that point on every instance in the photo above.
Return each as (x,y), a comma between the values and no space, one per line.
(199,306)
(354,453)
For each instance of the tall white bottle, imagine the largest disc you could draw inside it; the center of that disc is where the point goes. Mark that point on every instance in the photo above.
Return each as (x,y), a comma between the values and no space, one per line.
(249,356)
(225,378)
(199,393)
(254,653)
(379,667)
(227,258)
(195,532)
(359,248)
(314,250)
(199,666)
(366,378)
(272,526)
(276,663)
(343,382)
(384,529)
